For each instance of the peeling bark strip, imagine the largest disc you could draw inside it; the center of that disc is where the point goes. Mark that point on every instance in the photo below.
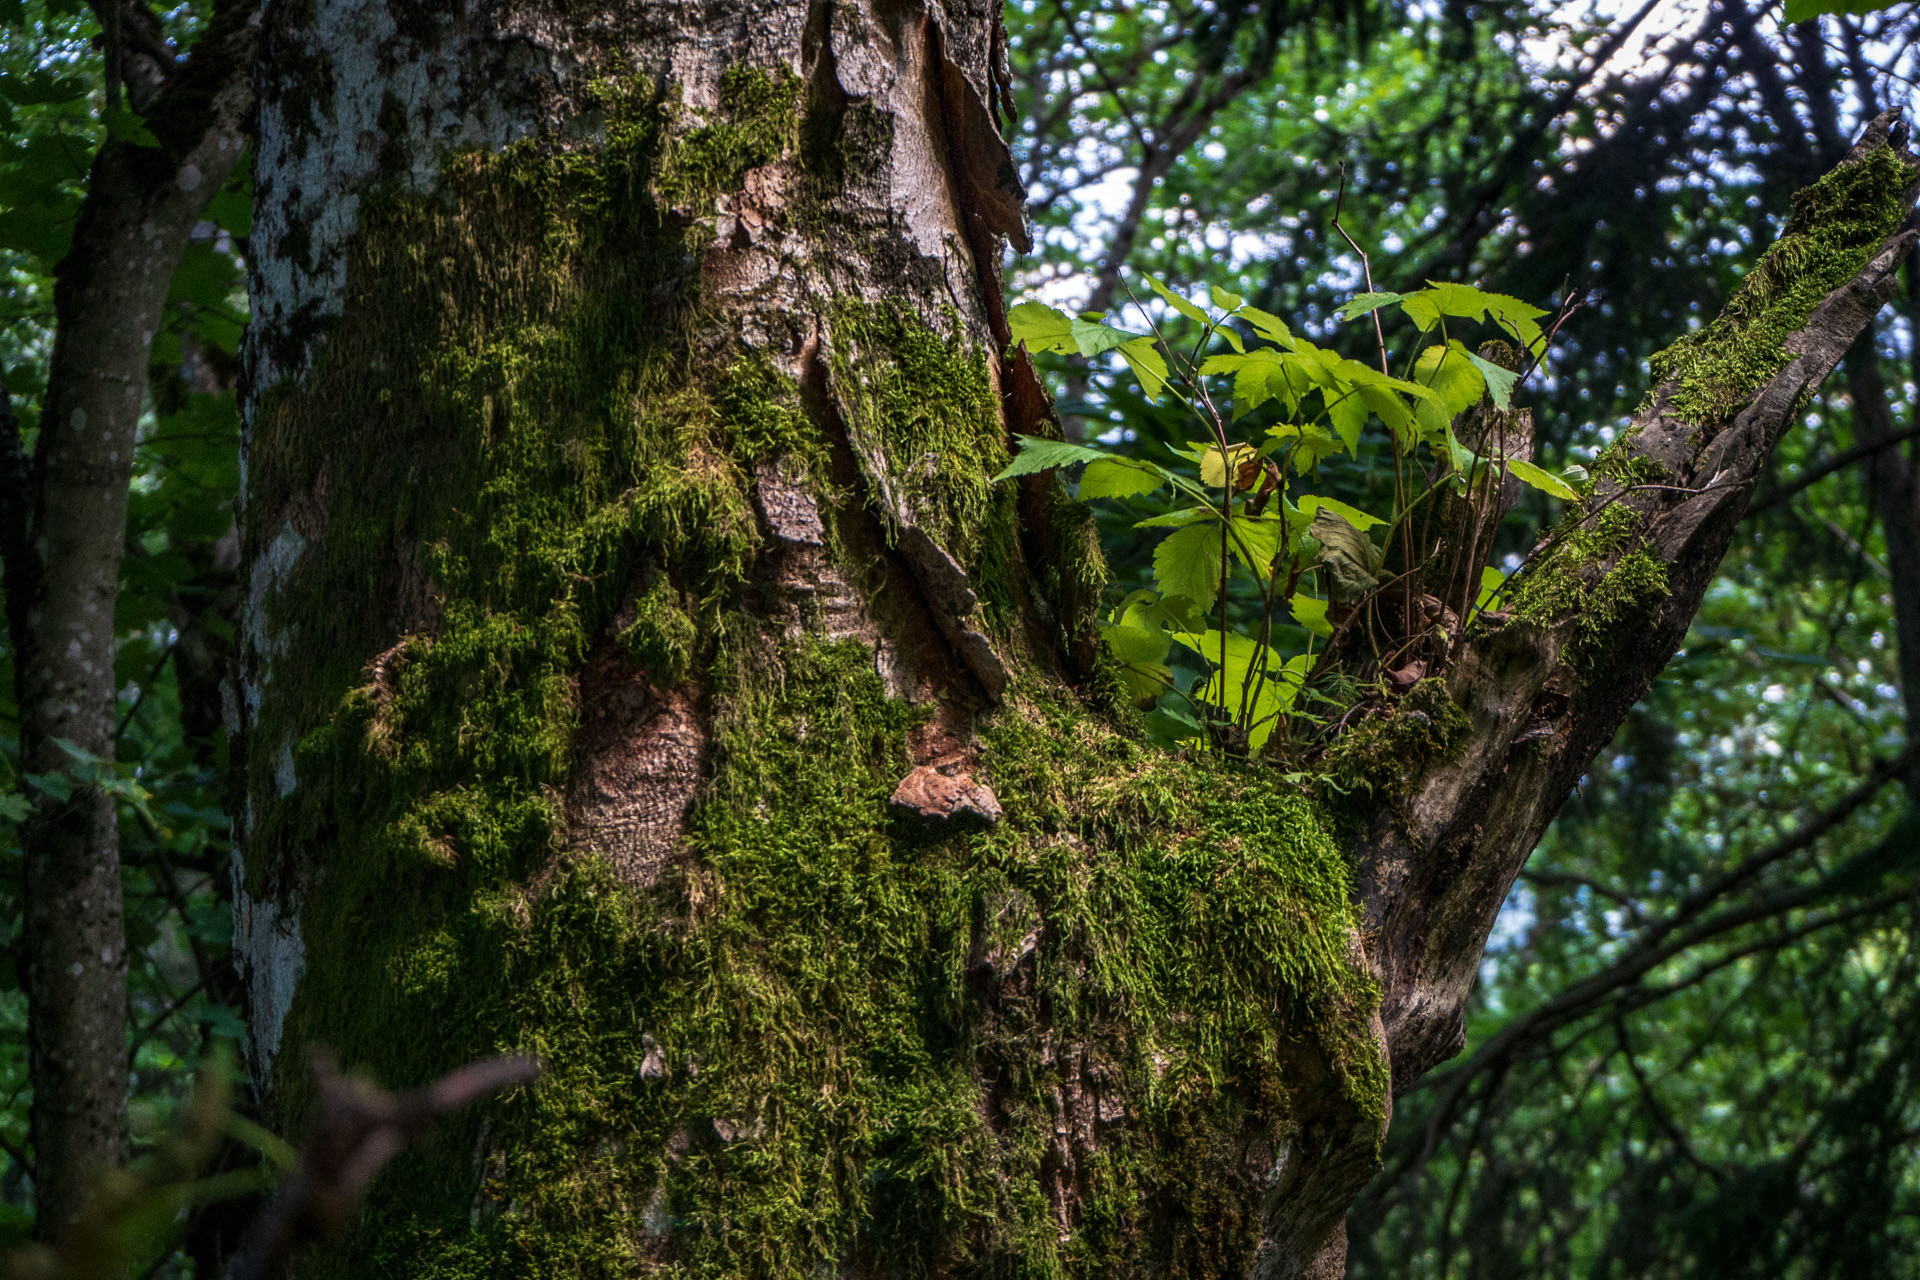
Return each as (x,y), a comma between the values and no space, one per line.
(62,574)
(633,617)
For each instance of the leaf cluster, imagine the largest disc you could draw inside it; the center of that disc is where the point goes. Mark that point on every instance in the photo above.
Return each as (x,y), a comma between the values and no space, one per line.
(1239,506)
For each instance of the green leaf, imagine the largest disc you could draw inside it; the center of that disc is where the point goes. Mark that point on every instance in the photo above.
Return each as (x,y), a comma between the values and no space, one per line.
(1250,372)
(128,126)
(1096,338)
(1312,445)
(1254,676)
(1255,541)
(1225,299)
(1268,325)
(1286,383)
(1224,363)
(1365,303)
(1447,371)
(1137,633)
(1147,364)
(1187,563)
(1492,584)
(1801,10)
(1137,645)
(1521,319)
(205,276)
(1238,648)
(1463,460)
(1179,519)
(231,208)
(79,754)
(1119,478)
(43,232)
(1349,415)
(53,158)
(1146,680)
(1177,302)
(1314,503)
(1545,481)
(1426,306)
(40,87)
(1037,454)
(56,786)
(1499,381)
(1041,327)
(1391,408)
(1310,613)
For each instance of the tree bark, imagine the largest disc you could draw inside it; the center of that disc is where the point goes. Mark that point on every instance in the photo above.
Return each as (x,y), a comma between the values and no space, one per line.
(642,670)
(1895,497)
(62,568)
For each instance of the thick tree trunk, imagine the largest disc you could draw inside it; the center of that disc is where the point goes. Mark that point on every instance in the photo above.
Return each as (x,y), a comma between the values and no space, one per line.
(642,671)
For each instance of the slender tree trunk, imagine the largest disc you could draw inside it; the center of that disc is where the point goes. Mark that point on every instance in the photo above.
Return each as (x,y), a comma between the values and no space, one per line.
(1895,495)
(62,577)
(642,670)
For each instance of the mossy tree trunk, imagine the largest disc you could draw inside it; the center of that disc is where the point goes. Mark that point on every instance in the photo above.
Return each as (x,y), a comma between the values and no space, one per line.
(642,671)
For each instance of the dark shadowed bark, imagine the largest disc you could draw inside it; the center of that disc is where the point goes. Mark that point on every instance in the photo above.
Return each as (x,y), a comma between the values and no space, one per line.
(1894,492)
(642,670)
(62,575)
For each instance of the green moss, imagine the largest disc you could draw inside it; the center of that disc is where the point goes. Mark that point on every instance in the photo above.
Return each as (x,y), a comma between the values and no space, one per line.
(662,636)
(757,121)
(1565,586)
(1074,574)
(842,1071)
(925,402)
(1375,756)
(760,410)
(1838,224)
(1617,462)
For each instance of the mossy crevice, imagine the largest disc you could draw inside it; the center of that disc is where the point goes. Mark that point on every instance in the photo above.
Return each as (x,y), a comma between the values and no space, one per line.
(1619,463)
(756,121)
(925,403)
(1379,755)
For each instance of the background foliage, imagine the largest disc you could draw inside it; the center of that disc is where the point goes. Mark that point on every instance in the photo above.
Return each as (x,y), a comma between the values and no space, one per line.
(1693,1050)
(1691,1053)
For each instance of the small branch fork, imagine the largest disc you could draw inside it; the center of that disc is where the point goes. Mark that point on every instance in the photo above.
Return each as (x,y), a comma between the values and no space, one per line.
(358,1127)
